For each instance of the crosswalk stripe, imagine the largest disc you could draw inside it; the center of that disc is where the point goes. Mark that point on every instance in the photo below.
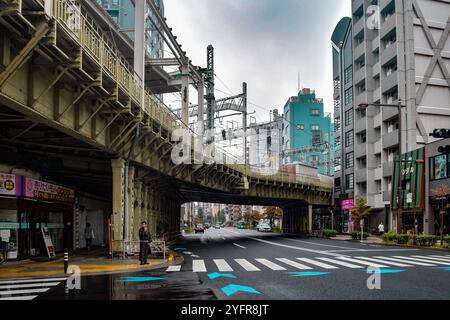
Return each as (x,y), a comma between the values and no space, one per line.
(397,264)
(27,291)
(317,263)
(294,264)
(19,298)
(270,265)
(247,265)
(423,260)
(28,285)
(432,259)
(340,263)
(222,265)
(406,261)
(174,269)
(198,266)
(440,258)
(370,264)
(31,280)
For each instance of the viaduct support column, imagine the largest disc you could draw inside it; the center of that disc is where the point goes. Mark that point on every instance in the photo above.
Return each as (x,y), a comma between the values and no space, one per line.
(118,167)
(310,219)
(131,200)
(138,196)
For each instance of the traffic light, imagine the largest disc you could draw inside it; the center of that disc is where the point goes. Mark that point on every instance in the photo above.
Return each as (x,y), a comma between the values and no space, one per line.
(445,149)
(440,134)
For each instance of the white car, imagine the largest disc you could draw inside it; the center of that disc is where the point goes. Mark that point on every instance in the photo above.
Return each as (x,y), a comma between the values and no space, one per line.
(263,227)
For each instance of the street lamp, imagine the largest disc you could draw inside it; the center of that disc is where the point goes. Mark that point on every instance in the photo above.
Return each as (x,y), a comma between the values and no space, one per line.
(399,106)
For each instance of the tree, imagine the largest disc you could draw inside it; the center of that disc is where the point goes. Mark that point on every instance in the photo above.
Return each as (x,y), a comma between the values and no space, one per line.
(221,216)
(441,194)
(272,213)
(360,211)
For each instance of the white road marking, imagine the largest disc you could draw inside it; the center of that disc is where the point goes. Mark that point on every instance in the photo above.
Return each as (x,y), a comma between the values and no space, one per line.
(317,263)
(187,253)
(406,261)
(270,265)
(247,265)
(28,285)
(341,263)
(198,266)
(441,257)
(396,264)
(174,269)
(18,298)
(26,291)
(195,256)
(425,260)
(370,264)
(222,265)
(237,245)
(32,280)
(294,264)
(433,258)
(323,245)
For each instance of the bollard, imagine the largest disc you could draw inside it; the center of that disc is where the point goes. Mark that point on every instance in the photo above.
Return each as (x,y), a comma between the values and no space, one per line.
(66,260)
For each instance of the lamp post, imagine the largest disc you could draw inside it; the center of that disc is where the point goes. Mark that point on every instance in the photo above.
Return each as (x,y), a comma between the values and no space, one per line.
(399,106)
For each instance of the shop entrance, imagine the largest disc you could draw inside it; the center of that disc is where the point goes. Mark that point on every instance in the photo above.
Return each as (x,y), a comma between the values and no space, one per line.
(35,215)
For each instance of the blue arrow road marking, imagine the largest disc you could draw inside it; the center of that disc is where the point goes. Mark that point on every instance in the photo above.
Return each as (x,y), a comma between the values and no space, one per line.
(234,288)
(216,275)
(384,271)
(443,268)
(308,274)
(180,249)
(139,279)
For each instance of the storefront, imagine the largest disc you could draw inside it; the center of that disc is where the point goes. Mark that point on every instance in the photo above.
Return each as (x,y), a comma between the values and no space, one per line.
(343,220)
(28,205)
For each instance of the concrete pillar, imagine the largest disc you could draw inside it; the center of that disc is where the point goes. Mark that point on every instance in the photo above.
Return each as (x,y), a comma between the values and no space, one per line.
(310,219)
(138,196)
(185,94)
(131,199)
(118,166)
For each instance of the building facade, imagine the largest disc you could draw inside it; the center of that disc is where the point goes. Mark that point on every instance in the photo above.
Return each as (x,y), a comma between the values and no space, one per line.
(344,156)
(122,12)
(307,135)
(402,57)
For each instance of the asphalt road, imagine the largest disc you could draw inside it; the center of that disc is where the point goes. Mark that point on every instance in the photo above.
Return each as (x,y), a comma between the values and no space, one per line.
(231,264)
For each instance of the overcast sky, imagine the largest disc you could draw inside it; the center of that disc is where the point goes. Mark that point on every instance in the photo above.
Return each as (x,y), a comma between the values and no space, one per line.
(262,42)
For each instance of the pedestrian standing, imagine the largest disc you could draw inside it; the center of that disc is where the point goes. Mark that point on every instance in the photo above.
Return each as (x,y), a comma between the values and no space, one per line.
(381,228)
(144,238)
(88,236)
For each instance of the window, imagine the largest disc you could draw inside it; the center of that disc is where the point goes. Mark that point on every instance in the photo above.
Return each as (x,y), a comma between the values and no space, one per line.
(348,75)
(315,127)
(337,164)
(315,112)
(348,98)
(300,127)
(337,124)
(349,160)
(349,181)
(349,118)
(440,166)
(349,139)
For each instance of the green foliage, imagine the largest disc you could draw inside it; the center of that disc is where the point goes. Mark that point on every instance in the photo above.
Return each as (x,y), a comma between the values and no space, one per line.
(357,235)
(447,241)
(425,240)
(390,237)
(276,230)
(403,238)
(329,233)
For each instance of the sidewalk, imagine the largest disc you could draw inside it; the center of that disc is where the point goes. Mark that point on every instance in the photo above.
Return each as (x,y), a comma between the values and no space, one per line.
(95,262)
(369,240)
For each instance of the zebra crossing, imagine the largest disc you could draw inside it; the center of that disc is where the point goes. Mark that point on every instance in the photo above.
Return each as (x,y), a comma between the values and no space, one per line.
(26,289)
(326,263)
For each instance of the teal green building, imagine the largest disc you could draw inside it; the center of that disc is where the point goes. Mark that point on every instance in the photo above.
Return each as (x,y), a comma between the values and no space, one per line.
(308,133)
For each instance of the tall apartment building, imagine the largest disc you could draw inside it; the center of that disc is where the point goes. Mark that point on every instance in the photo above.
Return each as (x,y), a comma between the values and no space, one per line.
(122,12)
(344,178)
(406,57)
(308,136)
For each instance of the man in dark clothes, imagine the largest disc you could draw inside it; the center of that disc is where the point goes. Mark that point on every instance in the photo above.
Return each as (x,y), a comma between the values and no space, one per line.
(144,237)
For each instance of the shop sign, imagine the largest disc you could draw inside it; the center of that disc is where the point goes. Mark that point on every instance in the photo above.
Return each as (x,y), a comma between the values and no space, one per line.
(347,204)
(9,184)
(46,191)
(9,225)
(48,243)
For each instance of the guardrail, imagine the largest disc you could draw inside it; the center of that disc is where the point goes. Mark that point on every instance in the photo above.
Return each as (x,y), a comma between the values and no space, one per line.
(131,248)
(82,28)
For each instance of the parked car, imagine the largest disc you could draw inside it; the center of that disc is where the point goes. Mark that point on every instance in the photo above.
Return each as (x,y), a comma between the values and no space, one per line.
(217,226)
(199,228)
(263,227)
(207,225)
(241,225)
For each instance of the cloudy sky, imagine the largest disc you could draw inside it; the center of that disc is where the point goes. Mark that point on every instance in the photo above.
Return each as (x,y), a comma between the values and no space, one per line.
(265,43)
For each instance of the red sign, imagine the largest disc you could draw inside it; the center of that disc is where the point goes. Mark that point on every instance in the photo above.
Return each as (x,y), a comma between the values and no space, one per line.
(347,204)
